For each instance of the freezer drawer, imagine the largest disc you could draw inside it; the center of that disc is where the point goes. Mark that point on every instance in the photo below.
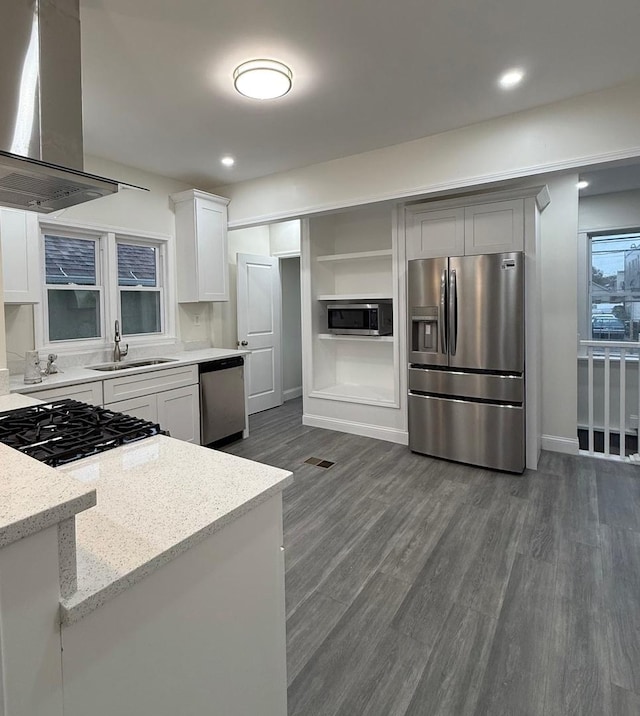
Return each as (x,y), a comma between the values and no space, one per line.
(498,388)
(477,433)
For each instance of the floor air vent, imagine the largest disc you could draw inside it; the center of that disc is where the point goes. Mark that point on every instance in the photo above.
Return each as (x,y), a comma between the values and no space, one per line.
(319,463)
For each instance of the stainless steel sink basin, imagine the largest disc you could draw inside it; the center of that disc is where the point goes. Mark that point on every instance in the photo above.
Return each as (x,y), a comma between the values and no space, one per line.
(123,365)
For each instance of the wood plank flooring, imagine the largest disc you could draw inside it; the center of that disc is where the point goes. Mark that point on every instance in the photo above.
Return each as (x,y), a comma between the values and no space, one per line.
(418,587)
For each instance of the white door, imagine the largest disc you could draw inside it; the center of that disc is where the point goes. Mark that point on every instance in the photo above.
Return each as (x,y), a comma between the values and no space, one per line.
(259,329)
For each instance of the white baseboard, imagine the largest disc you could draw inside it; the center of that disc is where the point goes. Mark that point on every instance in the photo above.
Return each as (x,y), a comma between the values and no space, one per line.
(291,393)
(391,435)
(570,446)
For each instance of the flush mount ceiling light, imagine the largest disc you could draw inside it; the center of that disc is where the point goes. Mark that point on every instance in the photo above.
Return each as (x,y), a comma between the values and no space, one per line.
(582,184)
(262,79)
(228,161)
(511,78)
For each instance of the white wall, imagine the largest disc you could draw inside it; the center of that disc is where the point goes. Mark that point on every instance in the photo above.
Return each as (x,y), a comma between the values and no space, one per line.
(558,270)
(284,238)
(131,209)
(291,328)
(225,315)
(600,126)
(610,211)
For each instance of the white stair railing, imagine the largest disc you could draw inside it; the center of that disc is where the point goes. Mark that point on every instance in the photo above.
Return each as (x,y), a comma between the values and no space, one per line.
(626,353)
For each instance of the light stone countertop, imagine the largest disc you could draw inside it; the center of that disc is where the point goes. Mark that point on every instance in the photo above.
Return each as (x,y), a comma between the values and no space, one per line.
(78,375)
(34,496)
(156,499)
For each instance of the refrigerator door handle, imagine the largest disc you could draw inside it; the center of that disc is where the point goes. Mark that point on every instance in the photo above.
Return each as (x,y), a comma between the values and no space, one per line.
(453,312)
(443,311)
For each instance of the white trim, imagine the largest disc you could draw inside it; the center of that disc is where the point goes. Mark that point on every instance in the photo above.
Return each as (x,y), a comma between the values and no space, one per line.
(392,435)
(293,254)
(191,194)
(433,190)
(124,232)
(540,193)
(291,393)
(569,446)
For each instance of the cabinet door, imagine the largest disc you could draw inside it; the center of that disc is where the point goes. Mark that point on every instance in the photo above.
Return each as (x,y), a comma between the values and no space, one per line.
(84,392)
(19,238)
(179,413)
(148,383)
(211,238)
(145,408)
(431,234)
(494,228)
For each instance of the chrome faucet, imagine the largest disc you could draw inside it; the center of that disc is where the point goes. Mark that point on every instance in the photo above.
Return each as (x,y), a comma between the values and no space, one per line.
(119,353)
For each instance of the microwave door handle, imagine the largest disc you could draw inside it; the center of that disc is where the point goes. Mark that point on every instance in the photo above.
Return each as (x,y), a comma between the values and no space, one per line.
(453,312)
(443,311)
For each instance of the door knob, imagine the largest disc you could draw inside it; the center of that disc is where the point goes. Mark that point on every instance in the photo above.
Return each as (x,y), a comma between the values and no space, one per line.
(244,343)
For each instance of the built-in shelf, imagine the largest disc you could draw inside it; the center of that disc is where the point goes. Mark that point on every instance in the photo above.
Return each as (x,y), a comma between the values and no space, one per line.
(365,297)
(351,393)
(356,256)
(343,337)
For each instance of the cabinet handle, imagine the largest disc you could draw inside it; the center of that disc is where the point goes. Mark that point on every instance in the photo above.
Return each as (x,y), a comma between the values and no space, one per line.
(243,343)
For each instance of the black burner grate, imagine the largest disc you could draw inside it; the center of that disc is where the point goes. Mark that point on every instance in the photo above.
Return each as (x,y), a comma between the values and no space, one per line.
(66,430)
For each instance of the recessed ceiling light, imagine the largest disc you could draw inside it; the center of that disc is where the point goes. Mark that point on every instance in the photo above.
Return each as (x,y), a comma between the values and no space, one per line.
(582,184)
(228,161)
(511,78)
(262,79)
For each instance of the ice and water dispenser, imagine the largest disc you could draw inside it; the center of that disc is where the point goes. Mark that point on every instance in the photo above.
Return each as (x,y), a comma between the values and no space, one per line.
(424,329)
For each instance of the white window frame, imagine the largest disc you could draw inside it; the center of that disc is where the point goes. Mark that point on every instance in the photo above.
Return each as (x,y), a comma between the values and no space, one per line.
(584,276)
(108,238)
(161,281)
(42,321)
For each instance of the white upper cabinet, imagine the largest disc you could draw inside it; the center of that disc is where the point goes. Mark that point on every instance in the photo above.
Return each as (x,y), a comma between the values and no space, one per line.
(19,237)
(201,246)
(435,233)
(494,228)
(459,230)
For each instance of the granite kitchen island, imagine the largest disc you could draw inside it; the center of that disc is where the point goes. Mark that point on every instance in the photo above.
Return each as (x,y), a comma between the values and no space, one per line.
(157,568)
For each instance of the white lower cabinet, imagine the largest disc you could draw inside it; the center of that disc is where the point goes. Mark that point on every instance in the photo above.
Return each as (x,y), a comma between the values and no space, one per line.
(145,408)
(179,413)
(84,392)
(169,396)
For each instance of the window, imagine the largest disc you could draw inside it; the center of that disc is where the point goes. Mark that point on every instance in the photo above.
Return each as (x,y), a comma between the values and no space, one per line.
(94,277)
(139,288)
(614,287)
(74,294)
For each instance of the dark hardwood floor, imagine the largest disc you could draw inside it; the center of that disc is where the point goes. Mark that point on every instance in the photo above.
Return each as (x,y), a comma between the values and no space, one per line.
(418,587)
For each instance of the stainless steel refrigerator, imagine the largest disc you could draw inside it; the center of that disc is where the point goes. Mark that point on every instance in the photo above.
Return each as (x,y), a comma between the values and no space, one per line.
(466,359)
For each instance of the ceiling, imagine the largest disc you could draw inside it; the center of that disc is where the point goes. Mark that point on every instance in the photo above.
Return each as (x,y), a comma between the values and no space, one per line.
(158,91)
(624,177)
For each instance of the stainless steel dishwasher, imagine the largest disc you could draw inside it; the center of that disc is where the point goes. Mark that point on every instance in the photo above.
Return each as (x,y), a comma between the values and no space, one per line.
(221,399)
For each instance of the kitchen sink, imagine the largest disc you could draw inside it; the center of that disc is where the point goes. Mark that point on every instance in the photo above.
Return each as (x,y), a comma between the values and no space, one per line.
(123,365)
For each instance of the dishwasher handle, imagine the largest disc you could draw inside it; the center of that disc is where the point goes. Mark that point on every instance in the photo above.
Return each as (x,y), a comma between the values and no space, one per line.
(222,364)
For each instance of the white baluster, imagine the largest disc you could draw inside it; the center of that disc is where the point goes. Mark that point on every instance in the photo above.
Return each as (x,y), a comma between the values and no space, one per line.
(607,398)
(623,395)
(590,394)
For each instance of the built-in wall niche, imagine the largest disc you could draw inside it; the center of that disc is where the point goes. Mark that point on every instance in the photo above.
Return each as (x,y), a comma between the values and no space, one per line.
(351,255)
(352,370)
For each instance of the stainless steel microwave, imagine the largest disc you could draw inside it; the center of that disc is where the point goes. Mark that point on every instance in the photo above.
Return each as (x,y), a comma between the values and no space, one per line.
(360,319)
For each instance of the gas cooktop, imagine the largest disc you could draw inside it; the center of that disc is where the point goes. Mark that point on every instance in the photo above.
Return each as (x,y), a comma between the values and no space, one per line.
(62,431)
